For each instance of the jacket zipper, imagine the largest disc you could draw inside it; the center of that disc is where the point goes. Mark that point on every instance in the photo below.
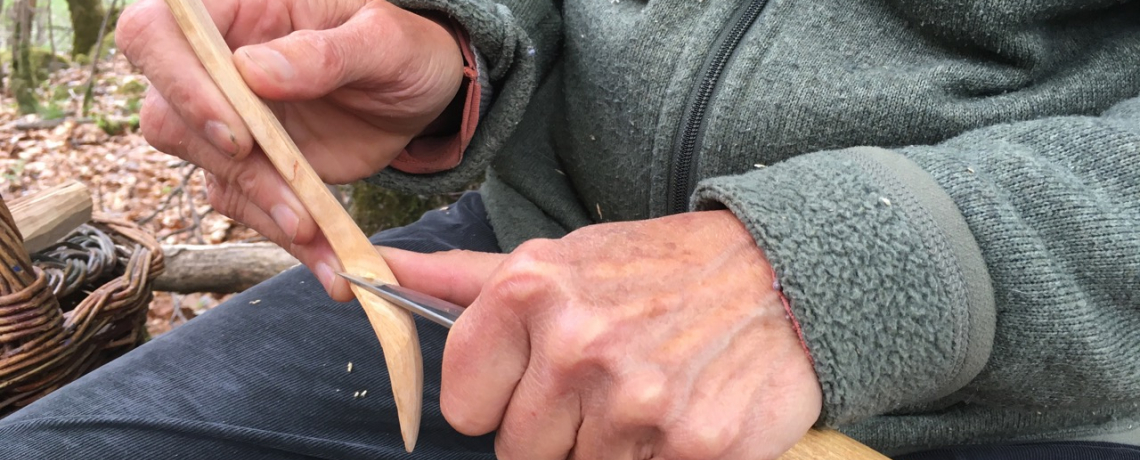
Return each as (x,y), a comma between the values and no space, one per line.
(692,126)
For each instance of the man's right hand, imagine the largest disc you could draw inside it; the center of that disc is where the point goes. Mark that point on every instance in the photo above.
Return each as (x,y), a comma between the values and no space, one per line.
(353,81)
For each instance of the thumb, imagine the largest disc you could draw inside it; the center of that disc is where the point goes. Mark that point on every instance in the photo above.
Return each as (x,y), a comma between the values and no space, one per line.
(307,64)
(455,276)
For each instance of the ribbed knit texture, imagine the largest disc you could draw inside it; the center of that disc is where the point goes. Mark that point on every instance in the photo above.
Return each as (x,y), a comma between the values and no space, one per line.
(1004,104)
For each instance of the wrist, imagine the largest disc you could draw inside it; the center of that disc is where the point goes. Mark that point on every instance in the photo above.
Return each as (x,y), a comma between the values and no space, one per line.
(743,239)
(449,120)
(440,145)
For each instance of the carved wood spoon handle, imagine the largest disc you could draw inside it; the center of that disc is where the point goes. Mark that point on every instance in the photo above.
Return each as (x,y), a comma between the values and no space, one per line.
(393,326)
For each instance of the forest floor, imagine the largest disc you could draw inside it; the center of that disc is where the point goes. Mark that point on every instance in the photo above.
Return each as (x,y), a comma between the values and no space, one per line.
(127,178)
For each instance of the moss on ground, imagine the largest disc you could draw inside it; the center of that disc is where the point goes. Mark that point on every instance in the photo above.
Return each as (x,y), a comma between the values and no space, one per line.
(376,208)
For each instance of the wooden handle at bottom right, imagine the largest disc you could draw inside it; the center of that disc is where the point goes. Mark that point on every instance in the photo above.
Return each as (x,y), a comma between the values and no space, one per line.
(830,445)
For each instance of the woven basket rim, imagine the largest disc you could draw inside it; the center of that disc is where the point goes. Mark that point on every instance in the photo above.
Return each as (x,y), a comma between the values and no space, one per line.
(51,347)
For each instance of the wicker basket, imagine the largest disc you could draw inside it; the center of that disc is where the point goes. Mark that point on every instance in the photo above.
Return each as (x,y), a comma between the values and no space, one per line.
(72,307)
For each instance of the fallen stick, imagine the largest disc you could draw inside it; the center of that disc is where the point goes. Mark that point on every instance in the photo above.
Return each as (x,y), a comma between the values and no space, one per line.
(393,326)
(26,125)
(220,268)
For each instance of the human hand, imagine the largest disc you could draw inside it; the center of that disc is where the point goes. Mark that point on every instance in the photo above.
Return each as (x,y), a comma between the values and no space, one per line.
(353,81)
(662,338)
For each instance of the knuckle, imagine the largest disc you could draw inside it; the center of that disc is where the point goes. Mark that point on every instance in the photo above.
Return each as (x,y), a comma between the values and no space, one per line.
(525,278)
(326,54)
(191,101)
(515,292)
(153,125)
(642,398)
(247,179)
(702,441)
(153,113)
(578,343)
(226,200)
(134,23)
(536,247)
(183,95)
(215,195)
(381,22)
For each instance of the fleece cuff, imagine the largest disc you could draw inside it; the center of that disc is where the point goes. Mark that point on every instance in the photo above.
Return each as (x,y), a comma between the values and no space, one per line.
(443,148)
(881,270)
(509,60)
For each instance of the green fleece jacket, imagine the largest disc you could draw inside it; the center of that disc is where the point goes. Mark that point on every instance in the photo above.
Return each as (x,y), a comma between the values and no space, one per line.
(949,190)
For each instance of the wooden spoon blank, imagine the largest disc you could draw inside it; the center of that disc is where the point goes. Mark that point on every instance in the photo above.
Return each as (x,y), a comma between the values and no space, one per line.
(394,326)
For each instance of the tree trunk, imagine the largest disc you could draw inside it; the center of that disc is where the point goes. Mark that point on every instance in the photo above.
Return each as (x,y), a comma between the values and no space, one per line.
(2,75)
(23,75)
(38,28)
(89,96)
(86,19)
(51,30)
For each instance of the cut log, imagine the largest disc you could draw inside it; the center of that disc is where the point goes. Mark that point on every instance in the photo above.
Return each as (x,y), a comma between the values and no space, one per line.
(220,268)
(45,217)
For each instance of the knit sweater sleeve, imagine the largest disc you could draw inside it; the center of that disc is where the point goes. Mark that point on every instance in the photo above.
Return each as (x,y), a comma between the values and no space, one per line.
(517,40)
(1000,267)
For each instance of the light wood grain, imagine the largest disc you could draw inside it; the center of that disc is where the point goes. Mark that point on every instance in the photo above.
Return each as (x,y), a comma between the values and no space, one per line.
(393,326)
(45,217)
(830,445)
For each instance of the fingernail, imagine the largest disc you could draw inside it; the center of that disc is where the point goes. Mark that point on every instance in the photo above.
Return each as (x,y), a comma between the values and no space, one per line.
(325,274)
(222,137)
(286,219)
(273,63)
